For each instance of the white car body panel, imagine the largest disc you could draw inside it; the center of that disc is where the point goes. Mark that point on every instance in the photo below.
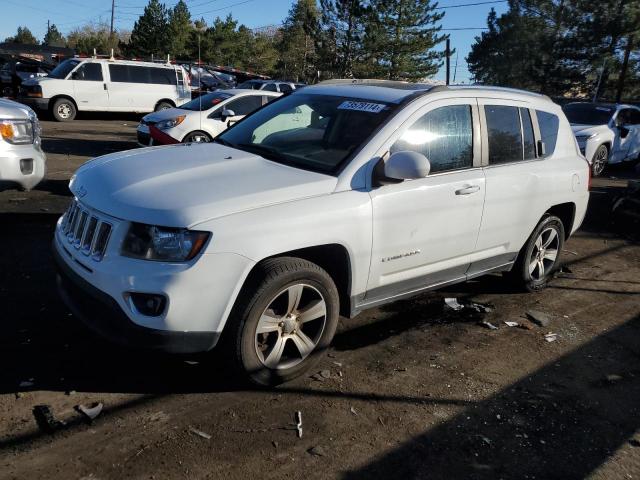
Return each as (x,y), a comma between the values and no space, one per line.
(256,208)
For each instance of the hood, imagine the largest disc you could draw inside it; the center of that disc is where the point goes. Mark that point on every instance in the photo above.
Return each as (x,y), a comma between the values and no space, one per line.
(13,110)
(588,129)
(166,114)
(185,184)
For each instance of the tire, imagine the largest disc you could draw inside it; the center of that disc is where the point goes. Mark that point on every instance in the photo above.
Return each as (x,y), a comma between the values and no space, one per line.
(276,300)
(64,110)
(527,270)
(197,137)
(163,106)
(599,160)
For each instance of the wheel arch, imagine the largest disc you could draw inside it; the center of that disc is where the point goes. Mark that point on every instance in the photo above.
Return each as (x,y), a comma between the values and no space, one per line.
(566,212)
(55,98)
(197,131)
(164,100)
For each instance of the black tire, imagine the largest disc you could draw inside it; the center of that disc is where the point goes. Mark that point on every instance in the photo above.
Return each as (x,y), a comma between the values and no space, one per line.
(197,137)
(521,272)
(64,110)
(163,106)
(599,160)
(265,287)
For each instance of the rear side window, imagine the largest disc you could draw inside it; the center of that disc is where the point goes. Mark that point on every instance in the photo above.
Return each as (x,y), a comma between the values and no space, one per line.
(505,137)
(548,123)
(119,73)
(270,87)
(162,76)
(245,105)
(444,136)
(140,74)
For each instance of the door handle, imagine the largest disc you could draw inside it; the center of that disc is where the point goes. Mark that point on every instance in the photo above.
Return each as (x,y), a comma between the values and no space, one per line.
(468,190)
(104,85)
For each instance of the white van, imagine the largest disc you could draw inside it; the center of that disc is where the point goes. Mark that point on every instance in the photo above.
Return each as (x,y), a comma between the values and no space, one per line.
(102,85)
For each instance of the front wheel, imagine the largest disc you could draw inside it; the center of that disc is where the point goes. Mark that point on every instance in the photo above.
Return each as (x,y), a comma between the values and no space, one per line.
(163,106)
(600,159)
(197,137)
(64,110)
(539,258)
(284,320)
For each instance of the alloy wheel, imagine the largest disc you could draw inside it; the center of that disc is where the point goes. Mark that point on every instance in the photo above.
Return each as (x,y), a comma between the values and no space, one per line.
(599,161)
(64,110)
(544,254)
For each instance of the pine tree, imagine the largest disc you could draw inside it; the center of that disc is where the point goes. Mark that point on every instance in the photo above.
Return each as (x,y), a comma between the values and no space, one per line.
(23,36)
(401,38)
(298,49)
(53,37)
(180,28)
(150,32)
(342,33)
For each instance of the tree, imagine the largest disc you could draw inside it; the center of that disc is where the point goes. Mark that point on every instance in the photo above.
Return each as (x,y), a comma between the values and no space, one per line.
(23,36)
(150,34)
(297,45)
(96,36)
(342,33)
(53,37)
(400,38)
(180,29)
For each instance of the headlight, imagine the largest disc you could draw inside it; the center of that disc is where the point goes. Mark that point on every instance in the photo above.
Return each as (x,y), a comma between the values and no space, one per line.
(584,138)
(17,132)
(172,122)
(166,244)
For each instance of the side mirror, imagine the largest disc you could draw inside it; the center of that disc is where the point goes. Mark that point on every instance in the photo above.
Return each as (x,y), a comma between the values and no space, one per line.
(407,165)
(619,121)
(227,113)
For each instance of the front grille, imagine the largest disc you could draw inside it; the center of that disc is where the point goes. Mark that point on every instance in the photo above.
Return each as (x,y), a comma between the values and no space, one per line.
(86,231)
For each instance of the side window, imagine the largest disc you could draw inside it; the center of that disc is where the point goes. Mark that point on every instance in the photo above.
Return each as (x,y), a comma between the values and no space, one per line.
(548,123)
(267,99)
(634,117)
(444,136)
(163,76)
(284,88)
(529,141)
(245,105)
(119,73)
(139,74)
(89,71)
(270,87)
(505,137)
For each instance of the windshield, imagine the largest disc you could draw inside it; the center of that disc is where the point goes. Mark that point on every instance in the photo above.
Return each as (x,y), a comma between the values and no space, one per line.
(314,132)
(205,102)
(62,70)
(588,114)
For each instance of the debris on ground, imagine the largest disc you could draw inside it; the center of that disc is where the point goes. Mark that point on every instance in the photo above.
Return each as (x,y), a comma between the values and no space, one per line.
(325,373)
(353,410)
(489,325)
(551,337)
(299,423)
(200,433)
(613,378)
(381,420)
(46,420)
(512,324)
(539,318)
(317,377)
(90,412)
(316,451)
(570,252)
(453,304)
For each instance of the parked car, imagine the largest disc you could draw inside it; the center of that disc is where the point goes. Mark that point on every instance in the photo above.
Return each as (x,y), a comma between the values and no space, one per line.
(201,119)
(270,85)
(22,161)
(264,237)
(606,133)
(91,84)
(15,71)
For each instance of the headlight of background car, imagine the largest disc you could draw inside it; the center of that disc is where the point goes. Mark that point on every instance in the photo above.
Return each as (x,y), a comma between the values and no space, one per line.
(172,122)
(150,242)
(584,138)
(17,132)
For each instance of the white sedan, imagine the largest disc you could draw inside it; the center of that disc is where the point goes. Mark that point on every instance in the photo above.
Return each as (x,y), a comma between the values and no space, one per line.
(606,133)
(201,119)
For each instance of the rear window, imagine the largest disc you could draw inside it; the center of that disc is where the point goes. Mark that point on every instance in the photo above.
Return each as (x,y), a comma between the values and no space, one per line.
(548,123)
(140,74)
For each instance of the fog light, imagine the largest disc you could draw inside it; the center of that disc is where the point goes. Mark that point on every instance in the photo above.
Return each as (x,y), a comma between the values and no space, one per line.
(26,166)
(148,304)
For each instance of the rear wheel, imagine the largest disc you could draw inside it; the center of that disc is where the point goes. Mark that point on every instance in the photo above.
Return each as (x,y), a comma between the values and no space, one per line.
(163,106)
(64,110)
(283,321)
(540,257)
(197,137)
(599,161)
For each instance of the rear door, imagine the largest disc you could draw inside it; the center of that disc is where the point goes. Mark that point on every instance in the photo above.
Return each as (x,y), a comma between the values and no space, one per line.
(89,87)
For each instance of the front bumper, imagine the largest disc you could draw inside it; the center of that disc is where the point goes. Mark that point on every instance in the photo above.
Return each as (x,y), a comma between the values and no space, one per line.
(35,102)
(102,315)
(25,165)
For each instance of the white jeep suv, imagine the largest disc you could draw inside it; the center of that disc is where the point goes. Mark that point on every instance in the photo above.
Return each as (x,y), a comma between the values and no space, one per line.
(606,133)
(337,198)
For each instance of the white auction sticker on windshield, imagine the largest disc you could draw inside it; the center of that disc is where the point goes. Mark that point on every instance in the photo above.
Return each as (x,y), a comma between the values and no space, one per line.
(361,106)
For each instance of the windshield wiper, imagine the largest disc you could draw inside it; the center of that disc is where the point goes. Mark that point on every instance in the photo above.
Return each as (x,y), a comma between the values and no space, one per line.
(267,152)
(224,142)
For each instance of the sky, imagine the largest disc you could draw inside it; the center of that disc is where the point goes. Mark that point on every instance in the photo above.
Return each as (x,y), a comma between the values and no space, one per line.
(67,14)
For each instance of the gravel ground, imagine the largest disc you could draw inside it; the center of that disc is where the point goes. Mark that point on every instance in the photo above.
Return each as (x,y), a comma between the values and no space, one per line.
(414,390)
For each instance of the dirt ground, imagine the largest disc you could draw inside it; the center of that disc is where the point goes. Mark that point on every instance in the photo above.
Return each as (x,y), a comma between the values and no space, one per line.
(414,390)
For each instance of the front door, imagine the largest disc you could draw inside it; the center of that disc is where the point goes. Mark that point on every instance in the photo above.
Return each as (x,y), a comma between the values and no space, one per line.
(627,148)
(425,230)
(89,88)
